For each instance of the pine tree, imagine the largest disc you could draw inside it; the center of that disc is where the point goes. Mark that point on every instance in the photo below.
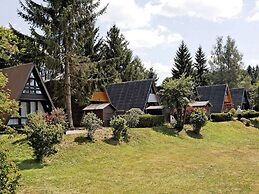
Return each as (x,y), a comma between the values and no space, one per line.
(152,74)
(182,62)
(201,69)
(64,25)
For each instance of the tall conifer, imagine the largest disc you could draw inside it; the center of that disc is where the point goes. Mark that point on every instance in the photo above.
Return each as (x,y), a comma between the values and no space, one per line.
(64,25)
(182,62)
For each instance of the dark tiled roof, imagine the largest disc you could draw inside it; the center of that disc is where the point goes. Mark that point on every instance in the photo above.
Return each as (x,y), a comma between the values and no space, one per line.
(239,96)
(17,78)
(132,94)
(215,94)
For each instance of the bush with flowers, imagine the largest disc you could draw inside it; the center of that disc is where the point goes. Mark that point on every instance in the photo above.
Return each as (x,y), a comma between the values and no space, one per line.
(44,131)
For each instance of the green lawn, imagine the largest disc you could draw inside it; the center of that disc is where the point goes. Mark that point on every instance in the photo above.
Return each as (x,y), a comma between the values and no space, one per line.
(226,160)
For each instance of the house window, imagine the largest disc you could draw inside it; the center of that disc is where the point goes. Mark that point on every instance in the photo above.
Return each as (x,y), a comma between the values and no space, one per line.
(26,107)
(32,86)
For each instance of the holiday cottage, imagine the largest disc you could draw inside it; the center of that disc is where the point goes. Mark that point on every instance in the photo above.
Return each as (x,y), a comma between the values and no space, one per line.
(219,97)
(27,88)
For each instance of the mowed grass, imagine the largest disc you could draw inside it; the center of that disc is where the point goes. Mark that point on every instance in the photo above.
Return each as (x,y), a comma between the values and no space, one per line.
(225,160)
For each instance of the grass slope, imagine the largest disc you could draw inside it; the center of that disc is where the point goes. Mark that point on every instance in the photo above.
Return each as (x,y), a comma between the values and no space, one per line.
(226,160)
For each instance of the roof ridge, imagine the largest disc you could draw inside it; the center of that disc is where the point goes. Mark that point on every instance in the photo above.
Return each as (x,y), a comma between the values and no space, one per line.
(17,66)
(132,81)
(212,85)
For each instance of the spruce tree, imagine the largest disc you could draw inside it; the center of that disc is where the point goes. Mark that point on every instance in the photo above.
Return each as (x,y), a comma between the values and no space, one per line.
(201,69)
(182,62)
(116,48)
(64,26)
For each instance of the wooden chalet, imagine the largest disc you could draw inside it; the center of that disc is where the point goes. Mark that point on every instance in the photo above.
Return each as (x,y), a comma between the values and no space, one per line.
(101,106)
(27,88)
(218,95)
(135,94)
(205,105)
(240,98)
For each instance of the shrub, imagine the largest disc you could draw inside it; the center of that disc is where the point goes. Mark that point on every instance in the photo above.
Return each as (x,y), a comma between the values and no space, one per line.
(249,114)
(119,126)
(148,120)
(9,175)
(132,116)
(42,135)
(58,116)
(218,117)
(255,122)
(198,119)
(92,123)
(232,111)
(246,122)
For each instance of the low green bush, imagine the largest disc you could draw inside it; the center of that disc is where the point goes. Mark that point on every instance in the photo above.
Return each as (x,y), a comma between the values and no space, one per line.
(246,122)
(119,126)
(218,117)
(43,134)
(255,122)
(198,119)
(9,174)
(249,114)
(91,122)
(132,117)
(148,120)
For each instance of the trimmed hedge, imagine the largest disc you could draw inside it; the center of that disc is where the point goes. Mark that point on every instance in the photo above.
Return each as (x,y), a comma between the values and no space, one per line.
(255,122)
(249,114)
(218,117)
(148,120)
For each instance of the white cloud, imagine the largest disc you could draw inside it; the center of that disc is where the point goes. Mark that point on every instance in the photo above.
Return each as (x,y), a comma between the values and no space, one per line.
(163,71)
(151,37)
(206,9)
(125,13)
(253,62)
(255,13)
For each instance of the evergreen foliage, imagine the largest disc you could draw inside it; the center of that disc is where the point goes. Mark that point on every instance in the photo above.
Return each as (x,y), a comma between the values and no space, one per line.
(116,49)
(198,119)
(119,126)
(182,62)
(91,122)
(201,69)
(66,27)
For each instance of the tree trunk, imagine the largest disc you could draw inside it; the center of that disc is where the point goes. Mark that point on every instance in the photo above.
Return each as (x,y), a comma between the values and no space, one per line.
(68,94)
(68,84)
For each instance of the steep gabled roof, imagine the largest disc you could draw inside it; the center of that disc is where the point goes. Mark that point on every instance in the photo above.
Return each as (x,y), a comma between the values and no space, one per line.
(132,94)
(238,96)
(215,94)
(17,78)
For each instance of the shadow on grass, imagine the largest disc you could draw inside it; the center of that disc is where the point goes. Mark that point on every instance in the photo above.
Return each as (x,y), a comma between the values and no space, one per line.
(194,135)
(111,141)
(166,131)
(82,140)
(20,141)
(29,164)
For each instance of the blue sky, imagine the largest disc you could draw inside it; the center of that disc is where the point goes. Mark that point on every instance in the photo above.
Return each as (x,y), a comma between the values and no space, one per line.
(155,28)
